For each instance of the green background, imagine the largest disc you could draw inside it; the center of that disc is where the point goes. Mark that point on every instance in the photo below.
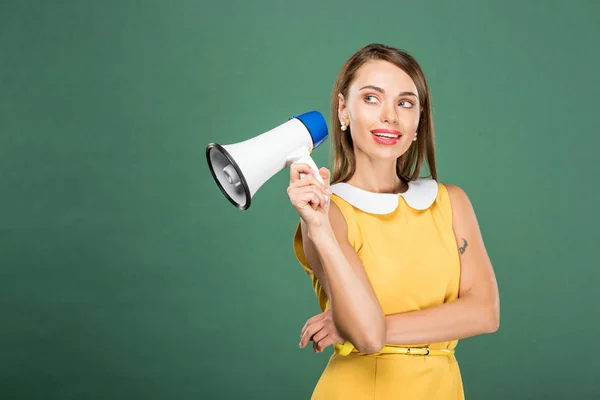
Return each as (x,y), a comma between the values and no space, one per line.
(126,274)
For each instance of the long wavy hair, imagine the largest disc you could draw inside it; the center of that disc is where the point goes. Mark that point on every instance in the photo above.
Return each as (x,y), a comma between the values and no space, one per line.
(408,165)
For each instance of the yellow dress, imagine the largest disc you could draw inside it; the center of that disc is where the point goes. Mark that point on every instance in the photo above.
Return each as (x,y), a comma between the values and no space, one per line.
(407,246)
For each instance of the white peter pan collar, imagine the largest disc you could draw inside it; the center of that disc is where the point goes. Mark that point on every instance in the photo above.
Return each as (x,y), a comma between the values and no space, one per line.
(421,194)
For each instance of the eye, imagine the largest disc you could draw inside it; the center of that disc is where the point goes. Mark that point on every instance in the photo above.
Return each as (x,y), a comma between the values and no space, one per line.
(370,96)
(406,104)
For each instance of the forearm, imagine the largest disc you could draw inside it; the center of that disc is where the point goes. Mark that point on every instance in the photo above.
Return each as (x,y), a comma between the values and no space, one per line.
(459,319)
(355,309)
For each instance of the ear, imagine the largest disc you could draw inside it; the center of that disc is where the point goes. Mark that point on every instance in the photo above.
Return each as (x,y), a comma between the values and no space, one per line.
(342,110)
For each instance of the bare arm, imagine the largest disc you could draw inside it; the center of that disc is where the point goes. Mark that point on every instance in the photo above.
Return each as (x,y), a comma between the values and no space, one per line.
(476,311)
(355,309)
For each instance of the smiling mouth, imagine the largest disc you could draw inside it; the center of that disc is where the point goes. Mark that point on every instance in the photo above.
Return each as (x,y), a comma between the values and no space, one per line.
(387,135)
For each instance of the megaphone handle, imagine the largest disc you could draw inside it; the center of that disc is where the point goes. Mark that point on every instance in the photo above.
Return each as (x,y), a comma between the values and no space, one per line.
(308,160)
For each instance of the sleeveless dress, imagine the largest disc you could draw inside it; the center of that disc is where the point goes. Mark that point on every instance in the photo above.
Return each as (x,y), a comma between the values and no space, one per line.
(407,246)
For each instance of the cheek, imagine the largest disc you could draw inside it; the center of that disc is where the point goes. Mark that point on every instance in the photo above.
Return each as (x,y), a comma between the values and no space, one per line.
(412,120)
(363,116)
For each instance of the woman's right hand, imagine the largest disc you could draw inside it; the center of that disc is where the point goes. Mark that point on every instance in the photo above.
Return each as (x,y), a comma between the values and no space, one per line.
(310,197)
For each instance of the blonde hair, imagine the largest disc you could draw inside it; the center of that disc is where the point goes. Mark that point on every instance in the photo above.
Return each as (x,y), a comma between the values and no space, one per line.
(408,165)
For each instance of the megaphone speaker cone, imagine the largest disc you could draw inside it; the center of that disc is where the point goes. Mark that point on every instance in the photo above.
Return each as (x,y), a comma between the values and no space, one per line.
(228,176)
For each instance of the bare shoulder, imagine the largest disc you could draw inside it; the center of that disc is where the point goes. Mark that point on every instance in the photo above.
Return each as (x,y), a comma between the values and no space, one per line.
(461,204)
(337,221)
(457,195)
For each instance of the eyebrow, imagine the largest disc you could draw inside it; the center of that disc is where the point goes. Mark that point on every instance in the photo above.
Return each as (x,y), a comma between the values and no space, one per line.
(380,90)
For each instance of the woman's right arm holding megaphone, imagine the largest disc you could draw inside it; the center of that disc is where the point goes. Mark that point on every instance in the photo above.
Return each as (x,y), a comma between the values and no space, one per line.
(355,309)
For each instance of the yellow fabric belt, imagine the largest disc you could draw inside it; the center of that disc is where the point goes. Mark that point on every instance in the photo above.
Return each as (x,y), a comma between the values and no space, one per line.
(347,348)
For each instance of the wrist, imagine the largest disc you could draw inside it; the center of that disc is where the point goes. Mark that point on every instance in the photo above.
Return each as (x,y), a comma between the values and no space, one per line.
(320,232)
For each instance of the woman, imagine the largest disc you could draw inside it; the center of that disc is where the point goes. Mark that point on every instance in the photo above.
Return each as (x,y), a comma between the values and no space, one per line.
(397,261)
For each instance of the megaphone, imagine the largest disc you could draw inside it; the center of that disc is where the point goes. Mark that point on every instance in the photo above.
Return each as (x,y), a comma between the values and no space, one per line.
(240,169)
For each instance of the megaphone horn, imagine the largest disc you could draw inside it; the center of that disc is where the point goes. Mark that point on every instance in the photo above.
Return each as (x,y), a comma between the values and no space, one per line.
(240,169)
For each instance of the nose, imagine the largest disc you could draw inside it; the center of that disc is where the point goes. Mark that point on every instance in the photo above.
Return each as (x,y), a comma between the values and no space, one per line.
(389,115)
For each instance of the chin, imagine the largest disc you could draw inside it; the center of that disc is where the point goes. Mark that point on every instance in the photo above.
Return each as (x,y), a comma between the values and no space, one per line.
(389,153)
(384,153)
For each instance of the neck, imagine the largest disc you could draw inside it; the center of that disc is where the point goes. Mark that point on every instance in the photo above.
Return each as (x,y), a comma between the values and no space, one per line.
(377,176)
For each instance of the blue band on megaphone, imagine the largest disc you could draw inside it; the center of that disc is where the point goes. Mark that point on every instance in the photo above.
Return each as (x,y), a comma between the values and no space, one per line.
(316,125)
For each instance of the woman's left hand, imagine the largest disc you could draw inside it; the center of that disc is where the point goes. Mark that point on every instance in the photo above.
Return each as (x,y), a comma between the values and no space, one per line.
(322,331)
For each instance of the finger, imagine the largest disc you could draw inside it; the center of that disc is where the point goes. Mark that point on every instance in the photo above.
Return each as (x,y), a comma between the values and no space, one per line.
(299,187)
(326,187)
(307,327)
(318,198)
(312,320)
(301,195)
(326,341)
(307,195)
(321,200)
(308,180)
(296,169)
(326,175)
(310,197)
(317,337)
(309,332)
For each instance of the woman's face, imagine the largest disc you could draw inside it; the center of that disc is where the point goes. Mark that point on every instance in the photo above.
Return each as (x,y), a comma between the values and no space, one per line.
(382,110)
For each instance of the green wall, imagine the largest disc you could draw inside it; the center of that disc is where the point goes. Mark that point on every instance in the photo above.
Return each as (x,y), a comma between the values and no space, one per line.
(124,272)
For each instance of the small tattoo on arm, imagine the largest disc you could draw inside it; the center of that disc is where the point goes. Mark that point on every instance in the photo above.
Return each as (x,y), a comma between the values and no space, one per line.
(464,247)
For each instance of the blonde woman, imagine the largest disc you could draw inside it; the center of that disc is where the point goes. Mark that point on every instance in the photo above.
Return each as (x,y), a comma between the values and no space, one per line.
(396,260)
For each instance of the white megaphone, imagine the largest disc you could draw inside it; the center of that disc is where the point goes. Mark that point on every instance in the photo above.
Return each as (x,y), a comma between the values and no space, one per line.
(240,169)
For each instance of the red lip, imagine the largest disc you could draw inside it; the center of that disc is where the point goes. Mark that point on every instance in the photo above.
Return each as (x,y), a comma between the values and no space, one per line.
(390,131)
